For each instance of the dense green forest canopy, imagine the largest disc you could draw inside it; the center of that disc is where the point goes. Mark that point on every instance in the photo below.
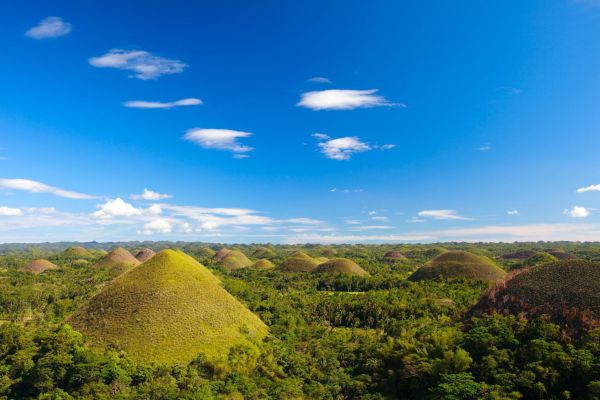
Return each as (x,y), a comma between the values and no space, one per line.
(330,335)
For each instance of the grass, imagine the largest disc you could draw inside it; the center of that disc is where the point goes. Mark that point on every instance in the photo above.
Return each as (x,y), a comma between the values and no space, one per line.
(298,261)
(117,261)
(167,310)
(39,266)
(263,264)
(144,254)
(73,253)
(459,264)
(343,266)
(235,259)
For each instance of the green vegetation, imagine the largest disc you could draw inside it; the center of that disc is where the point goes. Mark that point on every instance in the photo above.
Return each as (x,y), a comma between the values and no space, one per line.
(117,261)
(394,256)
(168,310)
(235,259)
(38,266)
(341,266)
(330,335)
(459,264)
(541,257)
(263,264)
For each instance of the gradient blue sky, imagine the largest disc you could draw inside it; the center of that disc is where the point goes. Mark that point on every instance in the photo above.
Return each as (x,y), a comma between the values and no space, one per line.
(493,107)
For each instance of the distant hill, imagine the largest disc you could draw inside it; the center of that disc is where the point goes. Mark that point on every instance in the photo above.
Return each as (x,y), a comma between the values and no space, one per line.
(568,292)
(39,266)
(394,256)
(235,259)
(519,255)
(221,254)
(459,264)
(343,266)
(298,261)
(117,261)
(207,252)
(263,264)
(561,255)
(75,252)
(263,252)
(167,310)
(144,254)
(539,258)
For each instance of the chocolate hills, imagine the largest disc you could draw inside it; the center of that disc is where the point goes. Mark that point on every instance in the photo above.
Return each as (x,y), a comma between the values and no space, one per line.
(75,252)
(459,264)
(298,261)
(117,261)
(221,254)
(566,292)
(144,254)
(342,266)
(263,264)
(39,266)
(394,256)
(235,259)
(167,310)
(263,252)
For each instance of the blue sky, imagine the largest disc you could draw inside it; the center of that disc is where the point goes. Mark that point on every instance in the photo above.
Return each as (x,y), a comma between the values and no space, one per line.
(281,121)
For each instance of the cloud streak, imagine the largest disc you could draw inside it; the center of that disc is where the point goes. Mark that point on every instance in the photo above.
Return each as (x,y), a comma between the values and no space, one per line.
(164,105)
(442,215)
(145,66)
(39,187)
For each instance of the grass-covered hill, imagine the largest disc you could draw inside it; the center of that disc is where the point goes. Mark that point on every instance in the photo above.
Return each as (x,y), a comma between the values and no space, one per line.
(459,264)
(567,292)
(519,255)
(74,253)
(263,264)
(342,266)
(235,259)
(541,257)
(39,266)
(144,254)
(263,252)
(221,254)
(394,256)
(117,261)
(298,261)
(167,310)
(561,254)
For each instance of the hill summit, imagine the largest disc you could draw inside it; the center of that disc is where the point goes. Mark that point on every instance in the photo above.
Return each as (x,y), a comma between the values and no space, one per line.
(298,261)
(117,261)
(167,310)
(75,252)
(342,266)
(144,254)
(39,266)
(459,264)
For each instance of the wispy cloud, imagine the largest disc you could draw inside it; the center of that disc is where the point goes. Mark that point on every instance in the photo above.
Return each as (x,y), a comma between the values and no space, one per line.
(577,212)
(345,147)
(144,64)
(513,212)
(485,147)
(591,188)
(150,195)
(319,79)
(342,99)
(164,105)
(10,212)
(442,215)
(50,27)
(39,187)
(219,139)
(336,190)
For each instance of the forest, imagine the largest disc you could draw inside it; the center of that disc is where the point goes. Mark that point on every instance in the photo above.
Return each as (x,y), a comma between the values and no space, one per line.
(331,335)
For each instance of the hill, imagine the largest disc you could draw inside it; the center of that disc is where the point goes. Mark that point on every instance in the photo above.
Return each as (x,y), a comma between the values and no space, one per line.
(39,266)
(539,258)
(568,292)
(263,264)
(394,256)
(459,264)
(343,266)
(75,252)
(298,261)
(167,310)
(561,255)
(117,261)
(144,254)
(235,259)
(263,252)
(207,252)
(519,255)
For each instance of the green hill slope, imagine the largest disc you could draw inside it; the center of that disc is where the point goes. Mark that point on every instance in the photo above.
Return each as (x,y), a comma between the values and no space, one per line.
(342,266)
(235,259)
(298,261)
(459,264)
(117,261)
(73,253)
(263,264)
(167,310)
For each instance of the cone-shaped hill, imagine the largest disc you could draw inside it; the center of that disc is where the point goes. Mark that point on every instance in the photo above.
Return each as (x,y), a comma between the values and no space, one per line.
(74,253)
(235,259)
(167,310)
(144,254)
(342,266)
(221,254)
(117,261)
(539,258)
(298,261)
(394,256)
(39,266)
(206,252)
(566,291)
(263,264)
(459,264)
(519,255)
(561,255)
(263,252)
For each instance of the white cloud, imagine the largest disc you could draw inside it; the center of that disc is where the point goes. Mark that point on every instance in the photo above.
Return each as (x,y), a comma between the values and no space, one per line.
(42,210)
(352,222)
(325,239)
(219,139)
(303,221)
(591,188)
(577,212)
(38,187)
(372,213)
(415,220)
(442,214)
(144,65)
(150,195)
(157,104)
(380,218)
(513,212)
(50,27)
(116,208)
(336,190)
(486,147)
(371,227)
(343,148)
(340,99)
(318,79)
(209,225)
(10,212)
(321,136)
(157,226)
